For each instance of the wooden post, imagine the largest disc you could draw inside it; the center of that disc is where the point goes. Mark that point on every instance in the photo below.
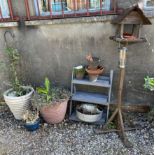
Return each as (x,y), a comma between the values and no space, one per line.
(122,30)
(118,111)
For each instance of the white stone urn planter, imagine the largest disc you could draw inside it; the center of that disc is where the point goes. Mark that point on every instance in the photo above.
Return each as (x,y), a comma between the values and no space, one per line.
(18,105)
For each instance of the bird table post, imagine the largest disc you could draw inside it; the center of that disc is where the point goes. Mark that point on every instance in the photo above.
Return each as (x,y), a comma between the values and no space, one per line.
(118,111)
(120,124)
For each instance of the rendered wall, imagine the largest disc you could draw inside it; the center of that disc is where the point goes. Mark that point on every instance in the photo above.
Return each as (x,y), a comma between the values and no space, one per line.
(52,50)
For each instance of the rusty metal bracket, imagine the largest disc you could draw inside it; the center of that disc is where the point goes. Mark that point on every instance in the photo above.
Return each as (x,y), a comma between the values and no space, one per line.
(5,39)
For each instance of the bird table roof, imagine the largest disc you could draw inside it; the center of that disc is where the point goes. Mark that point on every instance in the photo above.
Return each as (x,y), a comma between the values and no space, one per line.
(132,15)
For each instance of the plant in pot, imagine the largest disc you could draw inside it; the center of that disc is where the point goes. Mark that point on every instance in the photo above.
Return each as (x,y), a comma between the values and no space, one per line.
(32,120)
(149,83)
(53,102)
(31,116)
(18,97)
(79,72)
(94,69)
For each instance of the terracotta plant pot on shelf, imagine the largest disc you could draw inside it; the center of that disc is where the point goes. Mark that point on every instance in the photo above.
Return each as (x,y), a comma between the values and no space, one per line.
(94,73)
(54,113)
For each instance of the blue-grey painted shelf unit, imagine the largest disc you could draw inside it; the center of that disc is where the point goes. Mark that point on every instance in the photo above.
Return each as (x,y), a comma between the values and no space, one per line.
(91,97)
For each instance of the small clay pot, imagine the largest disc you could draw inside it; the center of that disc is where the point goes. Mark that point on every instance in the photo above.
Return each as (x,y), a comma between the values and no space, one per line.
(54,113)
(99,70)
(94,73)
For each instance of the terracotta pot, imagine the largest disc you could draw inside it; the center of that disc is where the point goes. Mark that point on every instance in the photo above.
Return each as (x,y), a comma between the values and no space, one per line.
(54,113)
(99,70)
(94,73)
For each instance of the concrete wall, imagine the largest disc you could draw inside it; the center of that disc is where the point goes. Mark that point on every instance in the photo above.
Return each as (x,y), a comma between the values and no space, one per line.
(52,50)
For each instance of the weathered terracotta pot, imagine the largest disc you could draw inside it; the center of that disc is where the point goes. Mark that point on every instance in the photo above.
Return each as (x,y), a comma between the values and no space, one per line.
(54,113)
(94,73)
(99,70)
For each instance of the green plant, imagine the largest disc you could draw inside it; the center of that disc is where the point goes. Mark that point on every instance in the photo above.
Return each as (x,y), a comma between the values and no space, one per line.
(13,63)
(149,83)
(46,90)
(60,93)
(47,95)
(79,69)
(30,116)
(111,125)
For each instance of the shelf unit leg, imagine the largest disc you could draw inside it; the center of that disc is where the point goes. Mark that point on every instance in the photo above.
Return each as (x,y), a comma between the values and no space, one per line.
(107,112)
(70,108)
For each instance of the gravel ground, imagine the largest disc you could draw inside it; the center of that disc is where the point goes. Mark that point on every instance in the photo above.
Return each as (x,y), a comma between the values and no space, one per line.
(70,138)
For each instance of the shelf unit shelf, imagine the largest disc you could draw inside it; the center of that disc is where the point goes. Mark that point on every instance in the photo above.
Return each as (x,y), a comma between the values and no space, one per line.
(100,122)
(91,97)
(102,81)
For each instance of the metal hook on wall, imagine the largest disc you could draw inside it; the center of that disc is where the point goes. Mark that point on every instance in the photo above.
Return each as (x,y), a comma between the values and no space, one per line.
(11,34)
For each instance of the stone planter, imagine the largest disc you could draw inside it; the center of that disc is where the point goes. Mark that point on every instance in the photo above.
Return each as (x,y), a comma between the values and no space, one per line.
(18,105)
(54,113)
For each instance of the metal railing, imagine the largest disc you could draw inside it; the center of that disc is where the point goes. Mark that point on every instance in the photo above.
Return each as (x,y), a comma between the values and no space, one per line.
(52,9)
(6,11)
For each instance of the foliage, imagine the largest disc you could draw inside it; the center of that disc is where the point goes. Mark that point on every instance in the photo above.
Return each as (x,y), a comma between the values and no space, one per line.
(47,95)
(30,116)
(93,62)
(111,125)
(60,93)
(46,90)
(13,59)
(149,83)
(79,69)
